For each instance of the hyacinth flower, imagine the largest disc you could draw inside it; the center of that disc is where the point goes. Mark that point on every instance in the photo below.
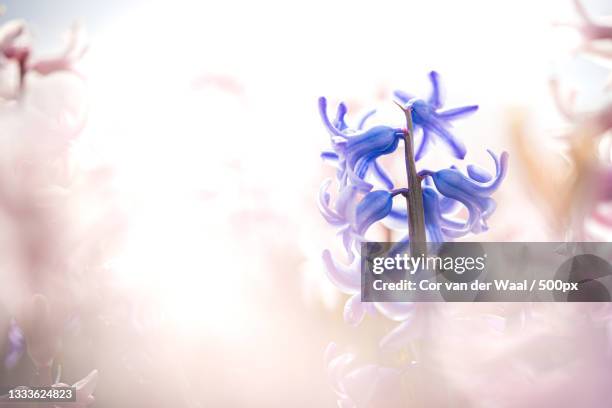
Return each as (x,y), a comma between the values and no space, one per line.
(433,198)
(472,190)
(356,151)
(17,345)
(362,386)
(428,117)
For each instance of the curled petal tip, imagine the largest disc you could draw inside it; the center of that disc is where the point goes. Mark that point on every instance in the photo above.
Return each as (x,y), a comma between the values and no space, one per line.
(345,278)
(354,310)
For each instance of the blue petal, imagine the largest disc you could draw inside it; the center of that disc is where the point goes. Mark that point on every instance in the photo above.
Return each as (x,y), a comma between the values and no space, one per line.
(382,175)
(324,198)
(348,239)
(346,200)
(402,96)
(365,118)
(448,205)
(375,142)
(435,99)
(424,116)
(432,214)
(361,150)
(16,346)
(457,113)
(457,146)
(339,122)
(424,146)
(15,335)
(472,194)
(397,219)
(323,112)
(375,206)
(358,181)
(332,159)
(329,156)
(478,173)
(488,205)
(346,278)
(454,178)
(354,310)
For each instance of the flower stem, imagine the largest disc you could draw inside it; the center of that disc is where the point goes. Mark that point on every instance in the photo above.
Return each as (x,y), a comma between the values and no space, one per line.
(414,195)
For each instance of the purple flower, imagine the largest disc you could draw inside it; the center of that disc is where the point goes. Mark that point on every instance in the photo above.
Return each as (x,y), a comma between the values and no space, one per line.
(359,206)
(356,151)
(17,345)
(354,222)
(473,191)
(368,385)
(427,116)
(375,206)
(438,225)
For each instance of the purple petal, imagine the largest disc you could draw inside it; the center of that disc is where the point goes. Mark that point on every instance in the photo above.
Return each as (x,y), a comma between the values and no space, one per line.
(16,346)
(15,334)
(330,216)
(448,205)
(478,173)
(402,96)
(345,202)
(457,146)
(435,99)
(358,182)
(346,278)
(457,113)
(423,146)
(431,208)
(354,310)
(375,206)
(371,144)
(472,194)
(398,311)
(401,335)
(365,118)
(329,156)
(501,167)
(348,239)
(381,175)
(323,112)
(339,122)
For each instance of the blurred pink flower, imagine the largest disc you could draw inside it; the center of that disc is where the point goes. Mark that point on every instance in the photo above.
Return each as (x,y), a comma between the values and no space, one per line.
(366,386)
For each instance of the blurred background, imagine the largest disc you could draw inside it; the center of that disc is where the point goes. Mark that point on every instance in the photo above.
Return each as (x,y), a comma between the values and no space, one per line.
(163,200)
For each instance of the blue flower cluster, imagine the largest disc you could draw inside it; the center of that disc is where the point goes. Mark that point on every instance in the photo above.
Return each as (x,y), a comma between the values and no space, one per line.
(365,190)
